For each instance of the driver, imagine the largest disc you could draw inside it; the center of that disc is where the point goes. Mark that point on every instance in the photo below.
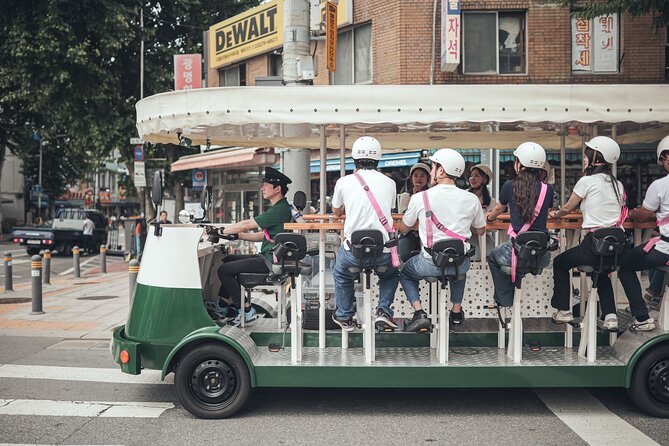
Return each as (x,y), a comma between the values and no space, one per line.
(274,188)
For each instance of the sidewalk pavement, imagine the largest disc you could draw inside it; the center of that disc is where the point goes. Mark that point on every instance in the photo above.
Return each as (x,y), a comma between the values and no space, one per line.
(85,308)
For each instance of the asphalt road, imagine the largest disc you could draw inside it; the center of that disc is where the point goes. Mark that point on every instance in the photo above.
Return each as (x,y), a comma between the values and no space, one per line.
(294,416)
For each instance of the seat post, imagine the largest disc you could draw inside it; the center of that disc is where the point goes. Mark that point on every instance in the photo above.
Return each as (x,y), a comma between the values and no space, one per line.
(443,329)
(663,317)
(515,350)
(587,347)
(368,325)
(296,336)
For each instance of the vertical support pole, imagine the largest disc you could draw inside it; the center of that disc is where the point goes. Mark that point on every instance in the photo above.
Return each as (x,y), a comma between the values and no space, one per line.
(563,161)
(133,271)
(75,259)
(501,331)
(280,300)
(592,323)
(321,240)
(663,317)
(9,280)
(299,339)
(515,350)
(36,273)
(46,276)
(294,323)
(443,330)
(103,259)
(368,326)
(342,150)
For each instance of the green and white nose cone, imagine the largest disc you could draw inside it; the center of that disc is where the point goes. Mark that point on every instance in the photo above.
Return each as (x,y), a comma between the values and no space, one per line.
(168,302)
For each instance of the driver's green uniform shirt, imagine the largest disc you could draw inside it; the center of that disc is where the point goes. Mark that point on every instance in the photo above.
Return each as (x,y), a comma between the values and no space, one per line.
(273,220)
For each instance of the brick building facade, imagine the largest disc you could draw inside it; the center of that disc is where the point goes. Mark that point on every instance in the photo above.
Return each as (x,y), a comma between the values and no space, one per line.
(401,47)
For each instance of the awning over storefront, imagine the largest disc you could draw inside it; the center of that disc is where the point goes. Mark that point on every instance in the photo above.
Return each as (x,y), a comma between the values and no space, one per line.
(230,157)
(387,161)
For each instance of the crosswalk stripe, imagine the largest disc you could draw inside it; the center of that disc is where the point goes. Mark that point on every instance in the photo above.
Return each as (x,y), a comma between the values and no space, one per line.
(83,408)
(590,419)
(104,375)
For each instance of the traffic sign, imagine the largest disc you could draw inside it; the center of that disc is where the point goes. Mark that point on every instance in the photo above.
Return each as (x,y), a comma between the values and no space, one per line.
(139,153)
(134,141)
(140,174)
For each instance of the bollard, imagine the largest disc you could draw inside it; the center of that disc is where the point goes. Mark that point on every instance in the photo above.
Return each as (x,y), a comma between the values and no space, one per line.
(75,259)
(46,260)
(103,258)
(9,286)
(133,270)
(36,272)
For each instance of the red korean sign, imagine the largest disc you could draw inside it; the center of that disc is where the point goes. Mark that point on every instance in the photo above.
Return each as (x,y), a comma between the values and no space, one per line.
(187,71)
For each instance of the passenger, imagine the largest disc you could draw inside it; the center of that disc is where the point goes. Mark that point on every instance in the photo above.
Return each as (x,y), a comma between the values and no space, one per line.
(355,196)
(274,188)
(418,181)
(603,206)
(523,195)
(655,252)
(455,215)
(480,177)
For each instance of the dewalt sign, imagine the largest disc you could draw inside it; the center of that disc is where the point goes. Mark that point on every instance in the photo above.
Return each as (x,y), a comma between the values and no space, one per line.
(253,32)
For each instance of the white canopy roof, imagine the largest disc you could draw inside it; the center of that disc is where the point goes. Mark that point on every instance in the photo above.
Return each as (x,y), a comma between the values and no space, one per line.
(443,115)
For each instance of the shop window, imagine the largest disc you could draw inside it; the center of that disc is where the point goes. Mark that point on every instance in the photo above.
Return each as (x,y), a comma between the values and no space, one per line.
(274,65)
(494,43)
(232,77)
(666,54)
(354,56)
(595,44)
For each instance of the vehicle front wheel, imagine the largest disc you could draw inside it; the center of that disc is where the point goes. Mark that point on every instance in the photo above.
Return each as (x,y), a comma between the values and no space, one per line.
(212,381)
(649,388)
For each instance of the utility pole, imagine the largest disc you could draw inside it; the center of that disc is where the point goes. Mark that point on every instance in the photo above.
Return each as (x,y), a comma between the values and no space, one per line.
(39,180)
(141,92)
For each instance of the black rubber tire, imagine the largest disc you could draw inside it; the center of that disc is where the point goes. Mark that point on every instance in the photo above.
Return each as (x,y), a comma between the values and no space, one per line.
(649,388)
(32,251)
(226,373)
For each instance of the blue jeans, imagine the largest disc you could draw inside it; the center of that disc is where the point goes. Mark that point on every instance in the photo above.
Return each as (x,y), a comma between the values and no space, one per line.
(419,267)
(343,281)
(638,260)
(501,256)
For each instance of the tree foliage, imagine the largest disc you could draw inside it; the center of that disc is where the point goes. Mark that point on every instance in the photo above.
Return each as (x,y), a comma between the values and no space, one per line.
(659,9)
(70,71)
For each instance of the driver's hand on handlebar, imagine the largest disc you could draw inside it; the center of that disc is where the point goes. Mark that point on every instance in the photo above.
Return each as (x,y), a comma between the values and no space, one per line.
(228,236)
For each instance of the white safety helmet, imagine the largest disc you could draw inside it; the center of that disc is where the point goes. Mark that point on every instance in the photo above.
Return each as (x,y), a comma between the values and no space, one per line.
(366,147)
(662,147)
(531,154)
(451,160)
(609,149)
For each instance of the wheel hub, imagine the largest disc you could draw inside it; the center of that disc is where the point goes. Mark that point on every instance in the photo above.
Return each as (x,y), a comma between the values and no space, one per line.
(658,380)
(213,382)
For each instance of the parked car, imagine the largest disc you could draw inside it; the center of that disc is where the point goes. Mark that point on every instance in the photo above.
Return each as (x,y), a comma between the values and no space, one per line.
(66,232)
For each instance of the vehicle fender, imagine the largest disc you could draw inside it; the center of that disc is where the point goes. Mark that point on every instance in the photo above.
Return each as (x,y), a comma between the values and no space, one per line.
(654,341)
(206,334)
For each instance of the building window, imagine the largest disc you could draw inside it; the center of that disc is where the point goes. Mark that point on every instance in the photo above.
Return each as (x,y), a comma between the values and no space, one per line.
(594,44)
(666,54)
(274,64)
(494,43)
(232,77)
(354,56)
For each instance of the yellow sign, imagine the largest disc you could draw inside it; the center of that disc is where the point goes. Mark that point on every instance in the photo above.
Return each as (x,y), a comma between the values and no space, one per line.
(253,32)
(331,35)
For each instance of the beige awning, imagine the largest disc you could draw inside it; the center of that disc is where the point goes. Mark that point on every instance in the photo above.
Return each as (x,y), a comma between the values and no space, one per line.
(235,157)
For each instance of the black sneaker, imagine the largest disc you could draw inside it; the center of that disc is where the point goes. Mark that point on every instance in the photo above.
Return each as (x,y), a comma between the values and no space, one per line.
(384,318)
(346,324)
(456,318)
(419,322)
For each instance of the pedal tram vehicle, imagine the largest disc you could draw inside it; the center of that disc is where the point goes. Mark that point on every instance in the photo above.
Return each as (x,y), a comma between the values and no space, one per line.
(216,365)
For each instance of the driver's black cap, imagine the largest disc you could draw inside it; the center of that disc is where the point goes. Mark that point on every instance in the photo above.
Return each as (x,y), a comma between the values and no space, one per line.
(275,177)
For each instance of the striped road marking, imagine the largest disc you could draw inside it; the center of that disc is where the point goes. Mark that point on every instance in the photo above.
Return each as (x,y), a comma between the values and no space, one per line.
(81,374)
(83,408)
(590,419)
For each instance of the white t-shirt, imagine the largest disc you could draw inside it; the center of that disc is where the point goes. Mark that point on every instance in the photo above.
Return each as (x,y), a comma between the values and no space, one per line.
(599,205)
(89,226)
(657,200)
(456,209)
(360,213)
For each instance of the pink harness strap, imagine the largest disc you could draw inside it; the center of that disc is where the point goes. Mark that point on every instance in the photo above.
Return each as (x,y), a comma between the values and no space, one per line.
(513,234)
(653,241)
(381,216)
(432,219)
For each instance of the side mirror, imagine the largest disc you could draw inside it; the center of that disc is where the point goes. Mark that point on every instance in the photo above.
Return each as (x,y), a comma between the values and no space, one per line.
(157,192)
(300,200)
(184,216)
